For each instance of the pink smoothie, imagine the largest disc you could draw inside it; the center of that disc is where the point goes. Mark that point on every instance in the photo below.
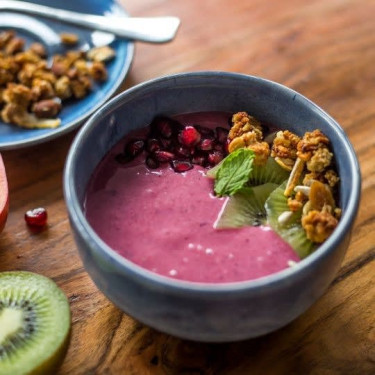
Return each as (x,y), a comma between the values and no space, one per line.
(164,222)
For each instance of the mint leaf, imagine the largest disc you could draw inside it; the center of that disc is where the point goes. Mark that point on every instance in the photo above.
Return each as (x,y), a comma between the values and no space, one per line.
(234,172)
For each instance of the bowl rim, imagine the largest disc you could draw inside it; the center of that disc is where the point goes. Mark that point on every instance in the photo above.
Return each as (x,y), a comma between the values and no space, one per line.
(135,271)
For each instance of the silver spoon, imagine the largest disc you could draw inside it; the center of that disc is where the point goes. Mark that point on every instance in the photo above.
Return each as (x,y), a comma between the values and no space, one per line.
(152,29)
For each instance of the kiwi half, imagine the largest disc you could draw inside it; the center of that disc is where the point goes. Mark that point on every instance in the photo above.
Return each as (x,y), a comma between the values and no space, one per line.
(246,207)
(291,230)
(34,324)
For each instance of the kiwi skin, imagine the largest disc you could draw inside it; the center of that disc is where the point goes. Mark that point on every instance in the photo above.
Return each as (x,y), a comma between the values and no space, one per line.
(47,351)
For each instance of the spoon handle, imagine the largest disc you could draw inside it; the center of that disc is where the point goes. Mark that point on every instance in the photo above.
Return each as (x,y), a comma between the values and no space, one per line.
(152,29)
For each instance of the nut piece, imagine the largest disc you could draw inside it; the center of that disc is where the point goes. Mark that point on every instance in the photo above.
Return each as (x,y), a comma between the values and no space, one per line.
(17,94)
(69,38)
(319,225)
(62,87)
(101,54)
(38,49)
(98,71)
(14,45)
(247,132)
(47,108)
(284,149)
(310,142)
(320,159)
(244,123)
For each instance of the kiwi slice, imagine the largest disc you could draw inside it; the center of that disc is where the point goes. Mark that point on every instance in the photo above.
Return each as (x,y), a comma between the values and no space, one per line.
(270,172)
(260,174)
(290,229)
(34,324)
(246,207)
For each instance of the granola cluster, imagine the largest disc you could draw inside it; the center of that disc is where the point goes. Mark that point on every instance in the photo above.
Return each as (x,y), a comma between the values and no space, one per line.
(32,89)
(246,132)
(312,180)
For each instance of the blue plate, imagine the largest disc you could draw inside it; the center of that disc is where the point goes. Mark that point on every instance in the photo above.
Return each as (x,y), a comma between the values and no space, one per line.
(45,31)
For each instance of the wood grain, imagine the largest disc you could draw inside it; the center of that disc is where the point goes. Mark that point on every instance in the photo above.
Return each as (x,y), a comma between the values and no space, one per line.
(323,49)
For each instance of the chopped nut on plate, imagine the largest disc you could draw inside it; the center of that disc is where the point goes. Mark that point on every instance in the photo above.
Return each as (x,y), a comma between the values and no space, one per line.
(31,89)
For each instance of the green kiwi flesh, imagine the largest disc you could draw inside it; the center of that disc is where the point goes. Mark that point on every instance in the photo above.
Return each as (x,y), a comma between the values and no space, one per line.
(34,324)
(246,207)
(260,174)
(291,231)
(270,172)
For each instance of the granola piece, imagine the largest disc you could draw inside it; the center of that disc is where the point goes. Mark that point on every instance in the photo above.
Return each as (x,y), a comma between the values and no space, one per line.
(98,71)
(310,142)
(14,45)
(284,149)
(249,141)
(44,74)
(27,57)
(25,75)
(81,66)
(320,160)
(42,89)
(48,108)
(331,178)
(296,203)
(80,86)
(244,123)
(244,140)
(101,54)
(62,87)
(38,49)
(17,94)
(319,225)
(16,114)
(69,38)
(261,151)
(8,70)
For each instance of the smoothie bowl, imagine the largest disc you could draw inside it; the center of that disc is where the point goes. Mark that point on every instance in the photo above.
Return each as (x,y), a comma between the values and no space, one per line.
(201,206)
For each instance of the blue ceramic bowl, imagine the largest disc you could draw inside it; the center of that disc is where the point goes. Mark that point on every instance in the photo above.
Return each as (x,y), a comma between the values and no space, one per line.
(197,311)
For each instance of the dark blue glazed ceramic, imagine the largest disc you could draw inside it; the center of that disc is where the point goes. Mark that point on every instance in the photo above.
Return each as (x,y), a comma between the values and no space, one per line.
(46,31)
(208,312)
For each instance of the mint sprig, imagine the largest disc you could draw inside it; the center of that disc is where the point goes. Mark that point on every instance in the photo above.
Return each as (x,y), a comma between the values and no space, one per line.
(234,172)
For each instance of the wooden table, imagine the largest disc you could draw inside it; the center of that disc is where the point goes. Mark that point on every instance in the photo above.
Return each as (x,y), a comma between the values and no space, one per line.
(325,50)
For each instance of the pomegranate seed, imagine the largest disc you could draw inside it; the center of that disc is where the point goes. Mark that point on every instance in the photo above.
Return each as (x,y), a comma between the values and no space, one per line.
(199,159)
(152,145)
(36,217)
(189,136)
(205,132)
(162,126)
(152,163)
(220,147)
(215,157)
(182,152)
(206,144)
(163,156)
(181,166)
(166,144)
(221,134)
(134,148)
